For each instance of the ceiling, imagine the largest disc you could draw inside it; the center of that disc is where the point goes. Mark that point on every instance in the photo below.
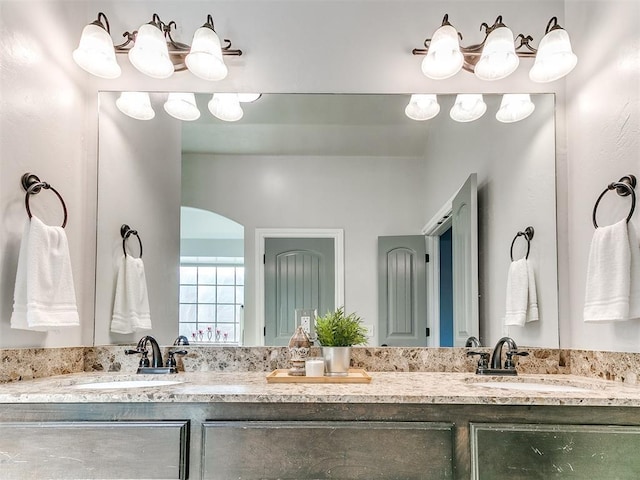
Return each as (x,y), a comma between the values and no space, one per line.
(300,124)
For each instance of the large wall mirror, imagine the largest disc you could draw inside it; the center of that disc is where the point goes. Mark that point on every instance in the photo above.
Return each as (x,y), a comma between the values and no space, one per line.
(350,170)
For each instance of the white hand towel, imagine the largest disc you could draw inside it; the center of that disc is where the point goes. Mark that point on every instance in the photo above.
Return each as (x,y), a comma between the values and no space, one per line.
(131,304)
(609,272)
(44,296)
(634,289)
(522,299)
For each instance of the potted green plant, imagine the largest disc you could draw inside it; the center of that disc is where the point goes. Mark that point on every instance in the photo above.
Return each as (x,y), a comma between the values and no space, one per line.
(337,332)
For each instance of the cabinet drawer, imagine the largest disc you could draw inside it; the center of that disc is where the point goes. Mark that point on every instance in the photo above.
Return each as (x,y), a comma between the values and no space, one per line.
(108,450)
(316,450)
(533,451)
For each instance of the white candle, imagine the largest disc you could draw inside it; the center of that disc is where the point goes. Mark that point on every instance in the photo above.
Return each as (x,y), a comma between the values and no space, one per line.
(314,367)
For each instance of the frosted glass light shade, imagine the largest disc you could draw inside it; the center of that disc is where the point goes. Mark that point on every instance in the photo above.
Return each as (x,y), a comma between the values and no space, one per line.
(136,105)
(225,106)
(444,59)
(248,97)
(422,106)
(498,59)
(515,107)
(468,107)
(554,59)
(205,57)
(95,53)
(182,106)
(150,54)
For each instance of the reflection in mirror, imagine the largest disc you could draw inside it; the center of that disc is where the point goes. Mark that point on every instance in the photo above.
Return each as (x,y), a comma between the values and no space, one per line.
(354,163)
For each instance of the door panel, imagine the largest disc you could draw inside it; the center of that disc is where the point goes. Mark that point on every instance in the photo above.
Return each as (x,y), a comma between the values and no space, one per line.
(465,262)
(402,285)
(299,274)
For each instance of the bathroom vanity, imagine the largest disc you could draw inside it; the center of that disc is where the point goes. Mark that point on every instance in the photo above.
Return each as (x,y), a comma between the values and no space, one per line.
(415,425)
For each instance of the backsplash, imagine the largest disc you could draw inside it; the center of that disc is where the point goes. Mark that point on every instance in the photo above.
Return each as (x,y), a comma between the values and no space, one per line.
(25,364)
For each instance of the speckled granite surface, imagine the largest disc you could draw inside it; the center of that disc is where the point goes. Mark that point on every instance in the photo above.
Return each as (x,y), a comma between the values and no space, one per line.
(28,363)
(24,364)
(385,387)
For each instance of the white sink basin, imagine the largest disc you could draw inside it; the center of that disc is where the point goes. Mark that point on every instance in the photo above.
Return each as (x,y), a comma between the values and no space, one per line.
(532,387)
(116,384)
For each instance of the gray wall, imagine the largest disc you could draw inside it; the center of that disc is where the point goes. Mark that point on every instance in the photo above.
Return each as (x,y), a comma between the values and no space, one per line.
(365,196)
(515,164)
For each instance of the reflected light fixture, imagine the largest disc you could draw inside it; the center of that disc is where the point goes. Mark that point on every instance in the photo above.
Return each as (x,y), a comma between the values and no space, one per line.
(515,107)
(182,106)
(136,105)
(497,56)
(422,106)
(248,97)
(152,50)
(468,107)
(225,106)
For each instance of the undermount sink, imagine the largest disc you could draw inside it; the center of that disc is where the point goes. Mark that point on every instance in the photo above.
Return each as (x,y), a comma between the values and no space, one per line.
(532,386)
(117,384)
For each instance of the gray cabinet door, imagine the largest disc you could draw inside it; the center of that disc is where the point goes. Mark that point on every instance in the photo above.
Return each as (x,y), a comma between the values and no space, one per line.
(299,274)
(316,450)
(545,452)
(105,450)
(402,291)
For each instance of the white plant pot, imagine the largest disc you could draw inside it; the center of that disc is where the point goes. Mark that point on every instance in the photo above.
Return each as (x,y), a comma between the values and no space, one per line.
(336,361)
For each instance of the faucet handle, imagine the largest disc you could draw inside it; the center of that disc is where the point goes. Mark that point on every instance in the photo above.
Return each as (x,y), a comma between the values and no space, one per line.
(483,361)
(509,363)
(144,360)
(171,361)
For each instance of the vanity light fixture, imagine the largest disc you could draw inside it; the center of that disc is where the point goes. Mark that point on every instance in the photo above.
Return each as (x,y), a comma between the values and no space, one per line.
(497,56)
(136,105)
(422,106)
(248,97)
(468,107)
(226,107)
(515,107)
(153,51)
(182,106)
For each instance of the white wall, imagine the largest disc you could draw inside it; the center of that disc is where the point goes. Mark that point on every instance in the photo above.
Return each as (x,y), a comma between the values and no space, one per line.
(48,105)
(515,164)
(603,128)
(367,197)
(139,165)
(47,127)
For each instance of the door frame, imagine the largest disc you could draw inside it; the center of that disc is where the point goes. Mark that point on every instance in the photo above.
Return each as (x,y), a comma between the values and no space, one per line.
(435,227)
(263,233)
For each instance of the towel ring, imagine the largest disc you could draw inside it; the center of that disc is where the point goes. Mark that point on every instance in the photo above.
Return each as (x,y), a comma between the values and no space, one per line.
(125,232)
(528,235)
(32,185)
(623,187)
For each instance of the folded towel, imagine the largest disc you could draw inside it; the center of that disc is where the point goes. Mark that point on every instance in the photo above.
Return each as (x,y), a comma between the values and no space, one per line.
(44,296)
(131,304)
(613,275)
(522,298)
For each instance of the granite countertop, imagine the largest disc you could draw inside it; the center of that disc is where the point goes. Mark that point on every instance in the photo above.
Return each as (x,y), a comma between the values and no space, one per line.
(385,387)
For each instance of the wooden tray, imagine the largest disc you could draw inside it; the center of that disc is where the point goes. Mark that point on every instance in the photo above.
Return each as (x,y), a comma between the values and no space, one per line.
(356,375)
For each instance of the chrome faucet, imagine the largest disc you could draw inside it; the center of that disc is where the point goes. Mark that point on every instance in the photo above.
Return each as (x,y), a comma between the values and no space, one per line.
(156,365)
(495,367)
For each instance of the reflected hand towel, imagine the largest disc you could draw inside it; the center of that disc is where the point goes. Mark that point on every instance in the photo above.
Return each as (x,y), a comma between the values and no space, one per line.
(522,298)
(131,304)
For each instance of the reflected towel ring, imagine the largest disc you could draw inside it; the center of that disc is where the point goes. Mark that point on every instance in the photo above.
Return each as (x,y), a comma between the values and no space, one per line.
(528,235)
(125,232)
(32,185)
(623,187)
